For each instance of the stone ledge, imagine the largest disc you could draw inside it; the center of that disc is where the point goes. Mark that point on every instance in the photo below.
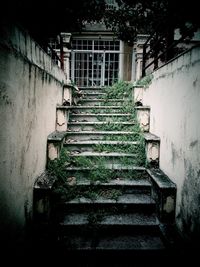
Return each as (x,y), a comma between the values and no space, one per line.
(138,86)
(42,197)
(45,181)
(54,144)
(161,179)
(56,136)
(151,137)
(62,107)
(143,108)
(68,85)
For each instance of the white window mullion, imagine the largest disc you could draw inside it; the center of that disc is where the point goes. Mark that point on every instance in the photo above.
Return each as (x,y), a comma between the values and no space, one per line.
(72,65)
(121,60)
(103,70)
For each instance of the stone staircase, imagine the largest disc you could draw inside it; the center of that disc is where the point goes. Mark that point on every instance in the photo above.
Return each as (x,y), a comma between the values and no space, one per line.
(105,195)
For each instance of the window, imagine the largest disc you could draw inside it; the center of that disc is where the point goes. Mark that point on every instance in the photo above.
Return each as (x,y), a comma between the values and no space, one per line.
(94,62)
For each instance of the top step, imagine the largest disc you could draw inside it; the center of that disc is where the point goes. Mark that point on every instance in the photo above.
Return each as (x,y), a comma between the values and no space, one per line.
(91,89)
(93,95)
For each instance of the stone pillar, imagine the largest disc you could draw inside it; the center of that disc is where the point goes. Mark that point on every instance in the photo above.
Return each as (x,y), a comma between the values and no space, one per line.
(62,117)
(133,67)
(143,117)
(121,60)
(141,39)
(66,52)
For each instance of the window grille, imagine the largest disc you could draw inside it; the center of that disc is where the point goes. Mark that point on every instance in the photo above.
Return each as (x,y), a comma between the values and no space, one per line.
(94,62)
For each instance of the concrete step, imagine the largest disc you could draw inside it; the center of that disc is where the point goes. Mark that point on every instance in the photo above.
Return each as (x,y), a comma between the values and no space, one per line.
(118,243)
(110,176)
(122,219)
(131,242)
(117,167)
(91,89)
(94,109)
(89,146)
(102,102)
(92,117)
(99,135)
(116,181)
(109,157)
(91,126)
(102,224)
(125,203)
(107,223)
(93,95)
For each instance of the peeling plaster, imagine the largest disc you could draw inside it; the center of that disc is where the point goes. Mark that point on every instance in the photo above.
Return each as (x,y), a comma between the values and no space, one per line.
(169,205)
(189,217)
(194,143)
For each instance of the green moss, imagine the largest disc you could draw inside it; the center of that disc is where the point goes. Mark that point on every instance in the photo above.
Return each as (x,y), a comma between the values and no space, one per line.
(145,81)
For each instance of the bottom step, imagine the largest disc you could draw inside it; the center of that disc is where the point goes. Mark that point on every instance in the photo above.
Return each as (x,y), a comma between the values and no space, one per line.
(136,242)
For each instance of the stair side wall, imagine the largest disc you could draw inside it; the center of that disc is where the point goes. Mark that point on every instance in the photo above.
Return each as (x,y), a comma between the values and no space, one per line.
(173,97)
(30,88)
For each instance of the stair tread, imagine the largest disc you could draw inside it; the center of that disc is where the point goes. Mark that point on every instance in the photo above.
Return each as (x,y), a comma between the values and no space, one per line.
(117,243)
(136,198)
(114,219)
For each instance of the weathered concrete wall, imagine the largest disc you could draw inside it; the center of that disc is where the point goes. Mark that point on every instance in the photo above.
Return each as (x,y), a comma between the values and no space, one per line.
(30,89)
(174,98)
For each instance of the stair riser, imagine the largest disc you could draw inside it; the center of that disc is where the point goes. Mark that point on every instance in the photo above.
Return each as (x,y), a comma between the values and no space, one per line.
(97,118)
(95,110)
(111,160)
(91,148)
(91,90)
(93,96)
(125,189)
(118,177)
(100,103)
(88,249)
(86,137)
(106,207)
(94,127)
(103,230)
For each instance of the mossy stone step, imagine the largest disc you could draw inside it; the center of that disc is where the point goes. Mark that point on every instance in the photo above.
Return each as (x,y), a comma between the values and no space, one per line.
(102,102)
(94,117)
(93,95)
(91,146)
(89,126)
(121,219)
(101,135)
(91,109)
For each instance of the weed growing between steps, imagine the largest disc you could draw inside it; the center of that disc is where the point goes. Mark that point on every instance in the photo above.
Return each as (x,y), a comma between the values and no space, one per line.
(65,190)
(66,186)
(118,90)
